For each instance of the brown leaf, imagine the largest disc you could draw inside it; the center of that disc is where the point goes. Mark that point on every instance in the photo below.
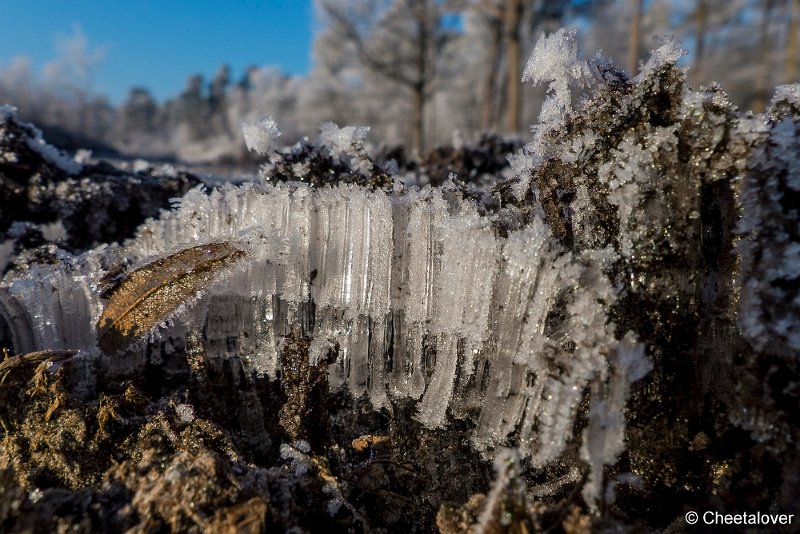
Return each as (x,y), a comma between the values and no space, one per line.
(153,292)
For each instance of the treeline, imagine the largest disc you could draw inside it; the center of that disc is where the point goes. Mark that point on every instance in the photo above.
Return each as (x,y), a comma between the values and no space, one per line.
(421,73)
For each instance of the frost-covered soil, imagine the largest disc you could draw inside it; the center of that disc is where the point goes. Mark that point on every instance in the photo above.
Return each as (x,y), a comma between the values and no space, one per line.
(602,334)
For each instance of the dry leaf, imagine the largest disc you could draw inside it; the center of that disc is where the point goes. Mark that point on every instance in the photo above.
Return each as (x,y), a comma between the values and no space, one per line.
(150,294)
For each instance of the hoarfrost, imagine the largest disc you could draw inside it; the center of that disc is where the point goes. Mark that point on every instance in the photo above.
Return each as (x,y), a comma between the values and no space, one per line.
(507,467)
(785,100)
(789,93)
(185,413)
(769,246)
(668,52)
(39,145)
(603,439)
(555,59)
(259,135)
(424,294)
(347,144)
(83,156)
(413,294)
(141,165)
(344,141)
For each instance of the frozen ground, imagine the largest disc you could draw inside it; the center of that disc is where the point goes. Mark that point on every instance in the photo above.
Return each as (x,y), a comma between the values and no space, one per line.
(605,335)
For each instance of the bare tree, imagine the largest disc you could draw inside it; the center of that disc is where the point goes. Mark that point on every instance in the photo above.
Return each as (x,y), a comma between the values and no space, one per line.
(400,40)
(491,12)
(506,19)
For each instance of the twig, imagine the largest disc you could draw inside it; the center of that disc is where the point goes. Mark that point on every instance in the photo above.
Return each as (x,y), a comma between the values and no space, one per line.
(35,358)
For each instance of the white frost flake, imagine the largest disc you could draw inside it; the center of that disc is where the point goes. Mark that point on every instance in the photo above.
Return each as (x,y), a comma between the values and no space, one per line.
(555,59)
(260,135)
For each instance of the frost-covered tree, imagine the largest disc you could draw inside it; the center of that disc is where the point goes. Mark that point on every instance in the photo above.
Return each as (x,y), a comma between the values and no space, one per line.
(501,33)
(744,45)
(138,127)
(415,71)
(332,91)
(639,22)
(269,92)
(217,100)
(635,35)
(62,100)
(189,112)
(17,83)
(399,41)
(486,17)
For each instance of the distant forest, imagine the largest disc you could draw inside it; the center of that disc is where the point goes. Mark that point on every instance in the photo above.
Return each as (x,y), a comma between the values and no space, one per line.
(420,73)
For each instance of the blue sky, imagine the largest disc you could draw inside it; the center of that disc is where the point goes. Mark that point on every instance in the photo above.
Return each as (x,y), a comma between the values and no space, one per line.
(158,44)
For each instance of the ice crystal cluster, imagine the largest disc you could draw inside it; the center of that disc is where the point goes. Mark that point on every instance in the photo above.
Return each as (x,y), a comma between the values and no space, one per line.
(413,291)
(508,309)
(260,135)
(771,245)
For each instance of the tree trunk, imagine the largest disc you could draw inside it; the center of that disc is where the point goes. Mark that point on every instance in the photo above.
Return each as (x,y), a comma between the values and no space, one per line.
(513,18)
(791,43)
(418,121)
(420,88)
(635,36)
(488,93)
(762,80)
(701,22)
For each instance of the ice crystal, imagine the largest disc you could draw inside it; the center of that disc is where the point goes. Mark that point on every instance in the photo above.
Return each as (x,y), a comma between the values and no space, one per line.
(555,59)
(770,245)
(394,278)
(259,135)
(603,440)
(345,141)
(347,145)
(667,53)
(413,293)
